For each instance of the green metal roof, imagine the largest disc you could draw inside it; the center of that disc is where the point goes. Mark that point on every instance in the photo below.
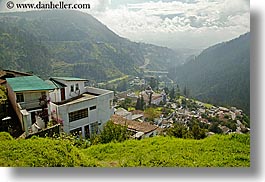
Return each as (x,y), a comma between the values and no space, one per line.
(28,83)
(55,83)
(69,78)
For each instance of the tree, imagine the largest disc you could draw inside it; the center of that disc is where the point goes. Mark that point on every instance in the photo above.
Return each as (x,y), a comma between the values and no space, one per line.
(231,124)
(178,92)
(153,83)
(142,102)
(197,132)
(112,133)
(172,94)
(122,86)
(150,98)
(166,90)
(138,104)
(186,91)
(43,102)
(178,131)
(151,113)
(126,103)
(215,128)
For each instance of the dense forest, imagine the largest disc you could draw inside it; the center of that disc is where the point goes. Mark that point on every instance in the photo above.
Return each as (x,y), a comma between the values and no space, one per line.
(220,74)
(72,43)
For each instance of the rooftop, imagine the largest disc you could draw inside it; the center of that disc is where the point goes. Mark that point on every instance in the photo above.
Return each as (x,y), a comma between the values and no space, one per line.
(12,73)
(133,125)
(69,78)
(55,83)
(122,112)
(28,83)
(81,98)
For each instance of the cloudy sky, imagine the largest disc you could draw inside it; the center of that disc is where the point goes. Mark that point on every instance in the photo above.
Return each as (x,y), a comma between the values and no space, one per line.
(173,23)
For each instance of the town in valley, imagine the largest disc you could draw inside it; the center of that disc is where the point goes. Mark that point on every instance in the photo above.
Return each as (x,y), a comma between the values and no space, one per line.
(145,106)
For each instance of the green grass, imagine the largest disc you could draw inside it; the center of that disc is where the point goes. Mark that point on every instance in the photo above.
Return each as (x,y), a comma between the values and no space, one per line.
(3,95)
(215,151)
(118,79)
(131,109)
(208,106)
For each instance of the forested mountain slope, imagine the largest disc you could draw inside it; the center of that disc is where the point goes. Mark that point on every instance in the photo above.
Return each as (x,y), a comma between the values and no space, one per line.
(220,74)
(72,43)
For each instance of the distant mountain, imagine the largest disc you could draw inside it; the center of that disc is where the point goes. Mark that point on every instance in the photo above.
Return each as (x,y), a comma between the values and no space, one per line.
(72,43)
(220,74)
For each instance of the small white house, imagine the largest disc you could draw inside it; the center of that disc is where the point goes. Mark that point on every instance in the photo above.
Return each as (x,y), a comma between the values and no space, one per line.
(80,109)
(66,88)
(27,95)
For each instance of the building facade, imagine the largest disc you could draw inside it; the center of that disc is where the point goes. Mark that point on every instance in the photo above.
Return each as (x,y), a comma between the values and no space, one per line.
(28,97)
(81,110)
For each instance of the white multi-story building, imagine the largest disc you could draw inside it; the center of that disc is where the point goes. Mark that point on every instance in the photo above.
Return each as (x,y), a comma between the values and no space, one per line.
(79,108)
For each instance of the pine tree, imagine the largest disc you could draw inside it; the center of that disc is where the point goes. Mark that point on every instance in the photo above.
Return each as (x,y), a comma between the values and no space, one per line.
(177,92)
(138,104)
(172,94)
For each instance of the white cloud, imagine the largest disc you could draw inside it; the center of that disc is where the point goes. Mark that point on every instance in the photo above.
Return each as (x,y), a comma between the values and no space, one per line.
(96,5)
(207,22)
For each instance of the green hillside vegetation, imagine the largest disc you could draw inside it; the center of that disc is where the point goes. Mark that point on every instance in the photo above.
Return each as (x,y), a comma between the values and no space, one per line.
(20,50)
(215,151)
(72,43)
(220,74)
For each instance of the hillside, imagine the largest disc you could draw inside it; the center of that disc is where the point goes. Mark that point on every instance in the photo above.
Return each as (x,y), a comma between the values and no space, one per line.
(72,43)
(220,74)
(215,151)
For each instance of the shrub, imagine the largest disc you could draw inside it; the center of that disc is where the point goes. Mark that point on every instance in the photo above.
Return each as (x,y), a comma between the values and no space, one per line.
(5,136)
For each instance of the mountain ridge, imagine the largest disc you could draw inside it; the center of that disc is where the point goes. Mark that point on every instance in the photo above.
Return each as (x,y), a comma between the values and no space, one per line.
(76,40)
(220,74)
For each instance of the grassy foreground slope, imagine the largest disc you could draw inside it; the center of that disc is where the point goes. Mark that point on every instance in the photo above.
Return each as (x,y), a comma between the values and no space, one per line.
(214,151)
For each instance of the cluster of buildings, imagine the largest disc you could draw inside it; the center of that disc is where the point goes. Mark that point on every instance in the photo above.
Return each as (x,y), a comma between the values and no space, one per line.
(148,95)
(84,110)
(184,115)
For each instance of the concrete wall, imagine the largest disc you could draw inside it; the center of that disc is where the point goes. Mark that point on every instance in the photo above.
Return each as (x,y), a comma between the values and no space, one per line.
(157,101)
(153,133)
(68,93)
(101,114)
(55,95)
(12,99)
(31,99)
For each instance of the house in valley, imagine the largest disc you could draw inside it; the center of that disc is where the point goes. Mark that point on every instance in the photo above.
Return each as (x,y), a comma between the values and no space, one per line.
(139,130)
(28,96)
(123,113)
(80,109)
(152,97)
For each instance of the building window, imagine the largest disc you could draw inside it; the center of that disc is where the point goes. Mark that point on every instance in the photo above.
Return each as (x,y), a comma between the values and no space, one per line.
(94,128)
(87,132)
(76,87)
(76,115)
(72,88)
(93,108)
(76,132)
(20,97)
